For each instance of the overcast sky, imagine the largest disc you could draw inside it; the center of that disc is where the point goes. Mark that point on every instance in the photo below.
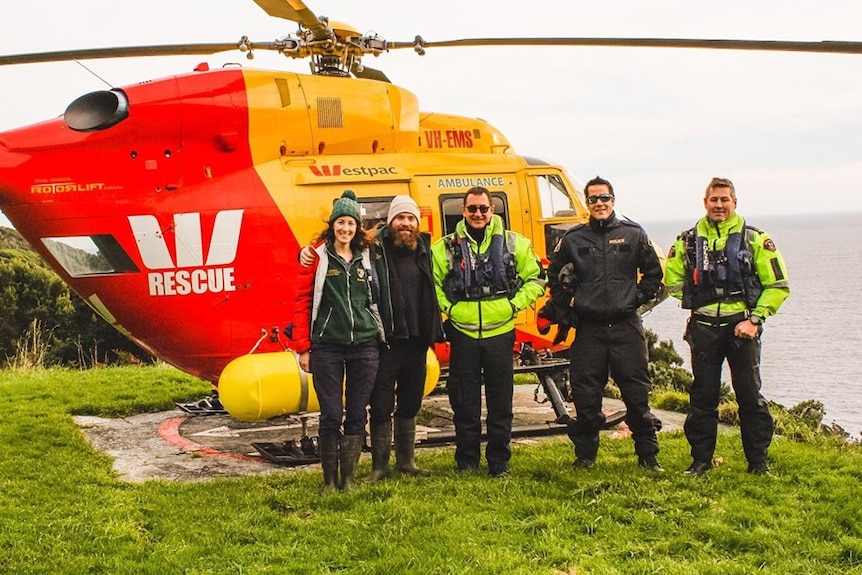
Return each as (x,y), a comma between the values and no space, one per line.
(658,123)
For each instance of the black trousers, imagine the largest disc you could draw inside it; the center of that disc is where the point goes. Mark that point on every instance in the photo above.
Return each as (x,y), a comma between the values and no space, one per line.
(473,362)
(400,382)
(710,346)
(348,371)
(615,348)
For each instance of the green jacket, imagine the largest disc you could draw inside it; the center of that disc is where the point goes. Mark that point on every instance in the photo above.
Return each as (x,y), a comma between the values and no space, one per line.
(767,260)
(494,315)
(334,302)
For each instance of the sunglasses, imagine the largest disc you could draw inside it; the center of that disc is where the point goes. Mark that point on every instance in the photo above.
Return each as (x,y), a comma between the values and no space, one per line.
(472,209)
(603,197)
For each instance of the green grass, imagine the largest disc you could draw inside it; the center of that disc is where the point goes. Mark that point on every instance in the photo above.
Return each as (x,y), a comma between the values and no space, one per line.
(63,510)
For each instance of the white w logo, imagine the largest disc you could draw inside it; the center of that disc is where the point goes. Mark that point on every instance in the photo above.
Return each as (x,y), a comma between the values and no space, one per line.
(189,240)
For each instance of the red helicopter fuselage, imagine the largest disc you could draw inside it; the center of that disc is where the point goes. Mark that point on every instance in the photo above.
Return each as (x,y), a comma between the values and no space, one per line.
(194,193)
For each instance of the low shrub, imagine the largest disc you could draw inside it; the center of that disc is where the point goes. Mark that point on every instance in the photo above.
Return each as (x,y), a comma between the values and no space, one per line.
(669,400)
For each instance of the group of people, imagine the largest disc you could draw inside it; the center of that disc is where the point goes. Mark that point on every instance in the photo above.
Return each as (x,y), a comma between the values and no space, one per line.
(370,304)
(728,274)
(368,309)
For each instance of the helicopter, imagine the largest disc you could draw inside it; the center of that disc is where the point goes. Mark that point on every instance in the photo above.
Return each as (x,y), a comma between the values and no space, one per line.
(175,207)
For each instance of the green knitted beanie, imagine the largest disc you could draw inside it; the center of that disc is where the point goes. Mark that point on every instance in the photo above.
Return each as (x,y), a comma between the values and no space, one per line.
(346,205)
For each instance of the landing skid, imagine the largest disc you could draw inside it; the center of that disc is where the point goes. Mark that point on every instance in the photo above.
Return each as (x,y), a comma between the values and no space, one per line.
(290,453)
(305,452)
(293,452)
(433,438)
(207,406)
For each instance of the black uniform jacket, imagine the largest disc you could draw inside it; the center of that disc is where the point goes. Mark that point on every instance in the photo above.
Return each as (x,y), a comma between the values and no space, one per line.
(614,269)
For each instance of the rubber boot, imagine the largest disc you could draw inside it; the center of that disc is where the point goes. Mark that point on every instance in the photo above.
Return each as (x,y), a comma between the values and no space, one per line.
(328,445)
(351,449)
(381,447)
(405,447)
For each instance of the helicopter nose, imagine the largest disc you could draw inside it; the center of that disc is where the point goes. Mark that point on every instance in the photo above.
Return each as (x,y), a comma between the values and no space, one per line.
(10,164)
(9,159)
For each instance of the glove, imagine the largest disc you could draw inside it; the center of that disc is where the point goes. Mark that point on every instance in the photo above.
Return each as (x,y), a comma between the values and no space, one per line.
(566,323)
(546,317)
(562,334)
(551,313)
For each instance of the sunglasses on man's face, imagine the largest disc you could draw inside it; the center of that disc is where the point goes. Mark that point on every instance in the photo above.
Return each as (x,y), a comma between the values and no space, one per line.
(472,209)
(603,197)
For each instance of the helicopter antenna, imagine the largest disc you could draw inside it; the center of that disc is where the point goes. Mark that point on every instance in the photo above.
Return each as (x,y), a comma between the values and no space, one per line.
(84,66)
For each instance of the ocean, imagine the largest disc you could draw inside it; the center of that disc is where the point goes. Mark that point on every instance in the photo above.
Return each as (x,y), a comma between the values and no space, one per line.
(812,348)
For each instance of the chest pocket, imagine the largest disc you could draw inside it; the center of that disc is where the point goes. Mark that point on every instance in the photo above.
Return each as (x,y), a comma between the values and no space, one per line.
(621,261)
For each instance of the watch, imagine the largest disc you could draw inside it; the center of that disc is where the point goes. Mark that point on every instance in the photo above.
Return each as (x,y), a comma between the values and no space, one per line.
(755,319)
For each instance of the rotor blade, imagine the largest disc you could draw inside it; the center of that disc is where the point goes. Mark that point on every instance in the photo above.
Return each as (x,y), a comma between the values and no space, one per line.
(129,51)
(827,46)
(296,11)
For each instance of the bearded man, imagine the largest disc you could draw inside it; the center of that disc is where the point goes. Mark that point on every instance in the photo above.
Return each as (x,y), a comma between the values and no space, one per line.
(412,322)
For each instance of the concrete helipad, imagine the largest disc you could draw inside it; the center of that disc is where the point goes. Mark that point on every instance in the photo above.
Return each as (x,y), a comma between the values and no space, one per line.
(175,445)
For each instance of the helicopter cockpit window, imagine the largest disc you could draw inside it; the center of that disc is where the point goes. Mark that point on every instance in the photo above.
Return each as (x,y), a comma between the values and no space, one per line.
(554,197)
(373,211)
(555,202)
(90,255)
(451,209)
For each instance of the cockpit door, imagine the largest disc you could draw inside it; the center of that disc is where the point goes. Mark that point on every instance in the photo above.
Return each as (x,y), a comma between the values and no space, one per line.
(555,206)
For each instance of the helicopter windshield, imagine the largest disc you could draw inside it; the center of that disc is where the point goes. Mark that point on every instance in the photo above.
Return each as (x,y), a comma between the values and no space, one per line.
(90,255)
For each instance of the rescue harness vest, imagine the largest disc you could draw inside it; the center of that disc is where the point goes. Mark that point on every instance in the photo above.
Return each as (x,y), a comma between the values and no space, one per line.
(720,276)
(486,276)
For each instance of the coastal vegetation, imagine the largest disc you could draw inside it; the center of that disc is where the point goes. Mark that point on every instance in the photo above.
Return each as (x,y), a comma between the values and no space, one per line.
(43,323)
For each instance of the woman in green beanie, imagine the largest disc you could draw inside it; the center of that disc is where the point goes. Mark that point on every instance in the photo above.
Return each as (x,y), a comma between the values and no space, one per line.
(337,330)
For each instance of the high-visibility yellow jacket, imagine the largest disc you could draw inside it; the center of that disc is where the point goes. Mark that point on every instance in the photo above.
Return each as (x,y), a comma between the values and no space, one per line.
(767,263)
(494,313)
